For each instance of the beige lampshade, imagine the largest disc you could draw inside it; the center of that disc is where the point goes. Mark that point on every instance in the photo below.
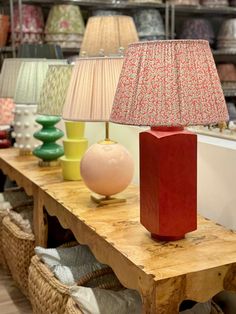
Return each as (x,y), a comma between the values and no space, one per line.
(30,80)
(9,74)
(53,92)
(108,33)
(92,88)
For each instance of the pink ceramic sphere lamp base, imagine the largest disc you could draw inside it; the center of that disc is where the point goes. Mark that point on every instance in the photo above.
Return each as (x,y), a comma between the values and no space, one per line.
(107,169)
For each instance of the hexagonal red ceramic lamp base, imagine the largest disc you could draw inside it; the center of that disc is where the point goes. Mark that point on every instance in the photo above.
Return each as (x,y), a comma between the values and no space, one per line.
(168,182)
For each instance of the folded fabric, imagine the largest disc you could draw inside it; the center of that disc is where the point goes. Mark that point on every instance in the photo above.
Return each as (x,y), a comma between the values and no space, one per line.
(2,199)
(24,219)
(70,275)
(199,308)
(5,206)
(100,301)
(72,256)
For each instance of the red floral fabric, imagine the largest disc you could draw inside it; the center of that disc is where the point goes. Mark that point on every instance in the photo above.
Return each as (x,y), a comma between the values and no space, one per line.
(169,83)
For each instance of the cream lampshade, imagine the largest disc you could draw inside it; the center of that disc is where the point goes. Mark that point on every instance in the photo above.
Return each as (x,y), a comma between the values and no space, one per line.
(108,34)
(9,74)
(27,92)
(107,167)
(51,102)
(168,85)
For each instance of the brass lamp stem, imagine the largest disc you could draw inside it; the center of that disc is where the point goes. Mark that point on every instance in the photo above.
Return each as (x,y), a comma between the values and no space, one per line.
(107,140)
(107,131)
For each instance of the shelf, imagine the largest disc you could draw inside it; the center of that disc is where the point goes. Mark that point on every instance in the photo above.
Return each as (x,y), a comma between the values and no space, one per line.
(97,4)
(6,49)
(230,93)
(205,10)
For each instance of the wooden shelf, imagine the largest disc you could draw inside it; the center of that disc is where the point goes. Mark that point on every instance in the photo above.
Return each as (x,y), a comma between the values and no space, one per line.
(165,273)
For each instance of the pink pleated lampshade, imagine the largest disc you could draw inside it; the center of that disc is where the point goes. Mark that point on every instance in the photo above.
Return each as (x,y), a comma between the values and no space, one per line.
(92,88)
(169,83)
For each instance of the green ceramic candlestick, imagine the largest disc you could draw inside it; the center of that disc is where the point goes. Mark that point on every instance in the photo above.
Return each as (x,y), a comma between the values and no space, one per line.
(49,151)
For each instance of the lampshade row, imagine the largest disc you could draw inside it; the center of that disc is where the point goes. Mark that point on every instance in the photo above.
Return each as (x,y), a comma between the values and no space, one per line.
(30,80)
(169,83)
(55,86)
(92,89)
(108,33)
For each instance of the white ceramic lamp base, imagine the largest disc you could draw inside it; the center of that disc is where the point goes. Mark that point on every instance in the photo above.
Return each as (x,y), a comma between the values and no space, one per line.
(24,128)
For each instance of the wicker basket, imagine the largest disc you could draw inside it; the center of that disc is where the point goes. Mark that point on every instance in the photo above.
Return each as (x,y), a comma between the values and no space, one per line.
(18,248)
(47,294)
(3,261)
(72,308)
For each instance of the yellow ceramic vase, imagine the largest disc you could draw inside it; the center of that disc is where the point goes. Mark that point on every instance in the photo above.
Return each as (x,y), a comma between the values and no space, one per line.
(75,146)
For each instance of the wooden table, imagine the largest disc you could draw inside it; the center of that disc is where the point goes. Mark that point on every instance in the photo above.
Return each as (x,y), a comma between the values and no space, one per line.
(165,273)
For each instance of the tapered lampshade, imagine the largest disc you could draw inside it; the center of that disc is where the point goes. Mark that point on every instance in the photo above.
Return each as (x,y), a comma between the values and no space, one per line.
(65,26)
(89,98)
(9,74)
(92,88)
(168,85)
(28,86)
(51,102)
(54,89)
(30,80)
(109,34)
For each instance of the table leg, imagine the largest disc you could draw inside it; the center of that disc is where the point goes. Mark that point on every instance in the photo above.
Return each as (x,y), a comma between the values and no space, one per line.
(40,221)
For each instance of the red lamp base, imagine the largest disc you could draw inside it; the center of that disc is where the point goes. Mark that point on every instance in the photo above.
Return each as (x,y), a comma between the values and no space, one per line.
(168,182)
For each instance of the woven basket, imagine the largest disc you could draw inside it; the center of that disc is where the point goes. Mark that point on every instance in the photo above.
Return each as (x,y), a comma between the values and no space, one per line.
(18,248)
(3,261)
(71,307)
(47,294)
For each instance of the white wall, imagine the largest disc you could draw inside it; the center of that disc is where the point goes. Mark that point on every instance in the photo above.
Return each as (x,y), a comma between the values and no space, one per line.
(216,175)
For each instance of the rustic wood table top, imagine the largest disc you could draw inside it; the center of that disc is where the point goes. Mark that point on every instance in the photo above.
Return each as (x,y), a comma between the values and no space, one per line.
(165,273)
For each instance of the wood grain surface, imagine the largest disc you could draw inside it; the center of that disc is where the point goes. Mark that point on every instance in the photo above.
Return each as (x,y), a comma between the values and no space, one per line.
(165,273)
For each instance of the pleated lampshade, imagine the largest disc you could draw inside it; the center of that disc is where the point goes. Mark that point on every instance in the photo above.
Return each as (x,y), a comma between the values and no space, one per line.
(169,83)
(109,34)
(9,74)
(30,80)
(54,89)
(92,88)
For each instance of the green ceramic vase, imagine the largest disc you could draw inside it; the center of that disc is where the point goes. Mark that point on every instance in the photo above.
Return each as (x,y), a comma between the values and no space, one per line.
(49,134)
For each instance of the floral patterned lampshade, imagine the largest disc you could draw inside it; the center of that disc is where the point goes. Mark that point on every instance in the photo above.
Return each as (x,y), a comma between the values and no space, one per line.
(6,111)
(30,80)
(197,28)
(53,93)
(227,72)
(158,85)
(109,34)
(65,26)
(226,39)
(65,19)
(92,88)
(149,23)
(32,24)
